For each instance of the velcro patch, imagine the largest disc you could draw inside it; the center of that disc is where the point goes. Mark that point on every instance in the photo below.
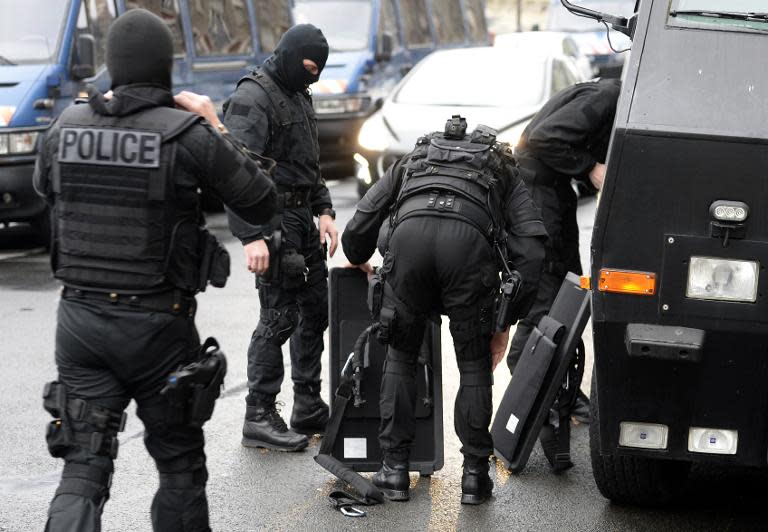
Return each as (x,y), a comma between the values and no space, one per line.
(110,147)
(239,109)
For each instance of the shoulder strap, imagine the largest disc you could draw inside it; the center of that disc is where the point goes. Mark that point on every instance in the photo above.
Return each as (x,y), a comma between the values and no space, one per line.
(279,101)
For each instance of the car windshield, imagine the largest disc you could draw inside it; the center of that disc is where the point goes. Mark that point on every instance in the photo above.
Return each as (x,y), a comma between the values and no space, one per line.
(747,14)
(333,18)
(560,19)
(31,34)
(475,79)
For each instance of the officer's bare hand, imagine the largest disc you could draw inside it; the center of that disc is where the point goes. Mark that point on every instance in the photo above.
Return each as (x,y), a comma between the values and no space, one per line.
(257,256)
(597,175)
(499,344)
(199,104)
(328,228)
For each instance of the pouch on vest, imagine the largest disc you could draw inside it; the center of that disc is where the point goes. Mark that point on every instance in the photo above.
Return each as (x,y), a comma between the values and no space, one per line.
(214,262)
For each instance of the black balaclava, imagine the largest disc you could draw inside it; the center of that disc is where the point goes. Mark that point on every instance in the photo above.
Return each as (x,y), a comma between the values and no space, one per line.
(303,41)
(139,50)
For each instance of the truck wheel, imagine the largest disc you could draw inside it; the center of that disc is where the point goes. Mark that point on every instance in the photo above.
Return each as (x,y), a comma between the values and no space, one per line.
(41,227)
(633,479)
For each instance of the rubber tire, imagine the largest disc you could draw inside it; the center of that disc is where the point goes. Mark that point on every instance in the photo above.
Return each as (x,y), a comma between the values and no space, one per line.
(633,480)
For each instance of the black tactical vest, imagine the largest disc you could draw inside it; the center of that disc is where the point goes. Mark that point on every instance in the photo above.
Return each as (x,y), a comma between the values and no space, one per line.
(452,179)
(291,118)
(115,209)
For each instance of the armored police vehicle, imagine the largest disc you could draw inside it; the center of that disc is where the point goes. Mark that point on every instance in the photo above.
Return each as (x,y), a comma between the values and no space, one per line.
(49,51)
(679,253)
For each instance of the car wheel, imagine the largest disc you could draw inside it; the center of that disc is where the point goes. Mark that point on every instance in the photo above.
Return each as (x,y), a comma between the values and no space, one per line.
(633,479)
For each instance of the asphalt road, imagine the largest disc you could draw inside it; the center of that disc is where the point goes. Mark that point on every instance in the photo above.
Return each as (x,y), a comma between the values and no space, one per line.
(253,489)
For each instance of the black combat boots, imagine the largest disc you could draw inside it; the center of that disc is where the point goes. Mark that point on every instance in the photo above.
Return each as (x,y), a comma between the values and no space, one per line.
(476,484)
(263,427)
(310,413)
(393,481)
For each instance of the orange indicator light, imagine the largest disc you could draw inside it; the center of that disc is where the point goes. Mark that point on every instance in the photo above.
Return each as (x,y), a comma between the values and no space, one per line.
(627,282)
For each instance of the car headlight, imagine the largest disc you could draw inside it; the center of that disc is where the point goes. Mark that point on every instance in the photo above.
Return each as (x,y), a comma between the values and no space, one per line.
(20,143)
(374,135)
(328,106)
(722,279)
(512,135)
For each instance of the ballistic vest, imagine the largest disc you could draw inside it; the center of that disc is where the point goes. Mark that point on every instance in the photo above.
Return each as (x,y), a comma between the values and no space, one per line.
(283,116)
(452,179)
(115,210)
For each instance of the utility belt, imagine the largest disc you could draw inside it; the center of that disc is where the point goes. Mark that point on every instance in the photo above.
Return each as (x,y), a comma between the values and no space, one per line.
(446,205)
(172,301)
(293,197)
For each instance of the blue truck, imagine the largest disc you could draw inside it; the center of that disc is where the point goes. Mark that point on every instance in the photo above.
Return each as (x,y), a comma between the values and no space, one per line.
(50,51)
(373,45)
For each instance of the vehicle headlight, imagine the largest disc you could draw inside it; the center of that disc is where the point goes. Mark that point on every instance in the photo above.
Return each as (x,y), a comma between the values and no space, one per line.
(512,135)
(722,279)
(20,143)
(328,106)
(374,135)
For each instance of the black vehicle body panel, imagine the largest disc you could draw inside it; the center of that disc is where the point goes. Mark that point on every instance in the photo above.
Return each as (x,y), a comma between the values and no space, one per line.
(690,129)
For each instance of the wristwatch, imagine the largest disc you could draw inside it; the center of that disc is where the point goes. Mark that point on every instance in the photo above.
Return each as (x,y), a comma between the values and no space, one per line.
(328,212)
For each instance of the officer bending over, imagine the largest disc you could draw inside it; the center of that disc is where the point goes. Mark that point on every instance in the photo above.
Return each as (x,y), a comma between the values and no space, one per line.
(271,112)
(122,178)
(452,200)
(567,139)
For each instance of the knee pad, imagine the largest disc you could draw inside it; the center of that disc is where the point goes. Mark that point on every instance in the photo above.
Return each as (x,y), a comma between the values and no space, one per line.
(476,372)
(87,481)
(186,472)
(277,325)
(80,424)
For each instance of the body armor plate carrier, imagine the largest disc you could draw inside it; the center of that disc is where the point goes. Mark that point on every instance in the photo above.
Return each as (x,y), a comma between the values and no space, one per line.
(115,216)
(451,178)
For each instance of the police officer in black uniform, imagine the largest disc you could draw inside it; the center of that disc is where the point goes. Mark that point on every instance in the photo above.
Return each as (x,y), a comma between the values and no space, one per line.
(567,139)
(122,178)
(443,209)
(271,112)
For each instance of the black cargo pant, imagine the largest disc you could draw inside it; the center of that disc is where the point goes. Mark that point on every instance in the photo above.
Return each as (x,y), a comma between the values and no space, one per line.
(447,266)
(553,194)
(106,355)
(295,311)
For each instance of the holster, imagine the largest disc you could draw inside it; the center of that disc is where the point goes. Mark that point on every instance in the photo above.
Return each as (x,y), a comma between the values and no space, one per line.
(375,295)
(274,245)
(214,262)
(192,390)
(506,301)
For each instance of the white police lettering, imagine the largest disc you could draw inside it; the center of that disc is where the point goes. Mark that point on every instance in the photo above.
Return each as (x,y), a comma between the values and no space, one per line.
(110,147)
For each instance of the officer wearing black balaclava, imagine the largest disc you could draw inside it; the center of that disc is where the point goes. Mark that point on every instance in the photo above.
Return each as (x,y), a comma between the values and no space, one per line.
(566,140)
(121,175)
(271,112)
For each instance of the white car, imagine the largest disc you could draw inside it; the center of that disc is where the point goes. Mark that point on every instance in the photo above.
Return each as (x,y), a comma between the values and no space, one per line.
(493,86)
(549,42)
